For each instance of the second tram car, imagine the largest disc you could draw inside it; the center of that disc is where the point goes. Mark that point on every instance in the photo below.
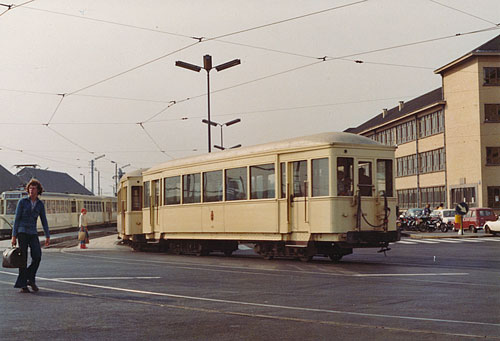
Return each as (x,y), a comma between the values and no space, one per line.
(62,210)
(324,194)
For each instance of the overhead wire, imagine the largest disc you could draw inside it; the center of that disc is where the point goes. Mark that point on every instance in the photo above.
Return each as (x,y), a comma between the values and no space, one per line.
(12,6)
(285,20)
(463,12)
(154,141)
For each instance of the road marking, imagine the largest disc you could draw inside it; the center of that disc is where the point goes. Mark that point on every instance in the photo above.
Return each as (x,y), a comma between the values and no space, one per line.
(426,241)
(275,306)
(468,240)
(449,240)
(492,239)
(272,317)
(405,242)
(104,278)
(402,275)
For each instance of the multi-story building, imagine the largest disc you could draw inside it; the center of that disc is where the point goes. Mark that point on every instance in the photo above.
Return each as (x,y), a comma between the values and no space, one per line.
(448,140)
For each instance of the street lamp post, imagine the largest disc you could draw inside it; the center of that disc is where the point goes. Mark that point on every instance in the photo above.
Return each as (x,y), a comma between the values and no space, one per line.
(227,124)
(92,170)
(116,174)
(207,65)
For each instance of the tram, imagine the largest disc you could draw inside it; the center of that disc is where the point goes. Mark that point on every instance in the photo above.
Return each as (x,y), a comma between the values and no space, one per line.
(62,210)
(324,194)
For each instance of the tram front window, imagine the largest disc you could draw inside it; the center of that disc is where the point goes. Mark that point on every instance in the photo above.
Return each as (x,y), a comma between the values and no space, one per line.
(384,177)
(345,175)
(320,182)
(11,207)
(365,178)
(299,176)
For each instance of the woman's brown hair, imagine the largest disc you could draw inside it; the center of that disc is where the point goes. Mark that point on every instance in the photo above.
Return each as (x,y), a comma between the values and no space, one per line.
(35,182)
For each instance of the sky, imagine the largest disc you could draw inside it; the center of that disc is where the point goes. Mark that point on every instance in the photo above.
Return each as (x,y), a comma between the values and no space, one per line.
(83,78)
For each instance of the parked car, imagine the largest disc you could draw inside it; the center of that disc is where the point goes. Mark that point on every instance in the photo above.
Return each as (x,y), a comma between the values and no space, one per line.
(446,215)
(492,227)
(414,212)
(476,218)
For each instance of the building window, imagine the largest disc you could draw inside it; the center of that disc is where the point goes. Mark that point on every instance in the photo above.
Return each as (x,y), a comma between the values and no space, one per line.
(492,76)
(465,194)
(492,112)
(493,155)
(494,196)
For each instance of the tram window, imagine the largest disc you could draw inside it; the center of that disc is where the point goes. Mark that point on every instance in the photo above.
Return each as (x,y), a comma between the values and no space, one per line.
(191,188)
(172,190)
(365,178)
(147,194)
(345,170)
(283,180)
(1,206)
(136,198)
(384,177)
(320,177)
(212,186)
(299,176)
(262,182)
(236,184)
(156,184)
(11,207)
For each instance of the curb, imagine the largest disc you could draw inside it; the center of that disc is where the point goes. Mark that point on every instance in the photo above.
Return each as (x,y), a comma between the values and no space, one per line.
(444,235)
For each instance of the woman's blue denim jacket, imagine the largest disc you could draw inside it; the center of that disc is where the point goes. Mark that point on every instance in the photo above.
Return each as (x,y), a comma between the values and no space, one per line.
(26,217)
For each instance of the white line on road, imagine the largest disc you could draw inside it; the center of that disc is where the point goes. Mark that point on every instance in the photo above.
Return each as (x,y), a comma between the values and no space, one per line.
(98,278)
(426,241)
(426,274)
(276,306)
(449,240)
(406,242)
(472,240)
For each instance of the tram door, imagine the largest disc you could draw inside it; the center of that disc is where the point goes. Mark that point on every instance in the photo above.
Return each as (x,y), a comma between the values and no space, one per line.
(299,186)
(155,203)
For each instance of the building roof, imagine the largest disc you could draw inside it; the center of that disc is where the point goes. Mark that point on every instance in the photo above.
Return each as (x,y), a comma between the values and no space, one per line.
(490,48)
(53,181)
(429,99)
(8,181)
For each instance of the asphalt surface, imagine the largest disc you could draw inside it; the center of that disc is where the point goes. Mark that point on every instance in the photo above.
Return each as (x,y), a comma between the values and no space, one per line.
(423,289)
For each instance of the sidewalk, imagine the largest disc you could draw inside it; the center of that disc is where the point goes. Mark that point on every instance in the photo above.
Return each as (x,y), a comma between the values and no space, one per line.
(68,236)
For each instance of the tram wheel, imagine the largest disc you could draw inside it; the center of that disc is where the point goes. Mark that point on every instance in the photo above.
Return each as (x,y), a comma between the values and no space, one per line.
(335,257)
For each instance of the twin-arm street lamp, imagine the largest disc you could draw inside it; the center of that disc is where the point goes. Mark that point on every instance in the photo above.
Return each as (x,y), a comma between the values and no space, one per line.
(207,65)
(227,124)
(118,176)
(92,170)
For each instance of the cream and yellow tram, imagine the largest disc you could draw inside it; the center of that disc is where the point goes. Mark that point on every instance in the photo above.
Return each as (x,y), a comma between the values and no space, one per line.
(316,195)
(62,210)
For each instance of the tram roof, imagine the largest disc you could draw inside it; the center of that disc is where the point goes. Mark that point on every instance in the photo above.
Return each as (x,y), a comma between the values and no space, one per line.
(311,141)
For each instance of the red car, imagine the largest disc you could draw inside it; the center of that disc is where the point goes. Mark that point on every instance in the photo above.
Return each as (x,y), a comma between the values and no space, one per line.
(476,218)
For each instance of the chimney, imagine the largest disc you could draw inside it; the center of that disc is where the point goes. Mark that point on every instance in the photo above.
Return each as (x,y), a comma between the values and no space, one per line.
(384,112)
(401,105)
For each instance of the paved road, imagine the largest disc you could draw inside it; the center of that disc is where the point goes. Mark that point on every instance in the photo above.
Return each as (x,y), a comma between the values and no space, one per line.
(418,291)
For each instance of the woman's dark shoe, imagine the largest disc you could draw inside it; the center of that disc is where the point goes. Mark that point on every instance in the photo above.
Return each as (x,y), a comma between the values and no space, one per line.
(33,286)
(25,290)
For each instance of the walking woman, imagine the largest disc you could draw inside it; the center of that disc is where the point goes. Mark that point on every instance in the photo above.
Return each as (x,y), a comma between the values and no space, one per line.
(27,212)
(82,224)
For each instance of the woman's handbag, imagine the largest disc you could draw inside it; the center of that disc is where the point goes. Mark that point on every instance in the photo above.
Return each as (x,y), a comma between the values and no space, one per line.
(81,236)
(13,258)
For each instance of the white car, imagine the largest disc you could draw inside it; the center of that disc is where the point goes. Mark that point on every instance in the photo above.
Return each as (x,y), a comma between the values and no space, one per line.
(492,226)
(446,215)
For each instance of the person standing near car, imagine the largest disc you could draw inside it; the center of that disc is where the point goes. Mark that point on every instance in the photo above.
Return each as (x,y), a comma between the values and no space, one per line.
(24,230)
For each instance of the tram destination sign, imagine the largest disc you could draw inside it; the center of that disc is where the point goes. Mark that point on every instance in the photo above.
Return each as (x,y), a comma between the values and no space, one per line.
(462,208)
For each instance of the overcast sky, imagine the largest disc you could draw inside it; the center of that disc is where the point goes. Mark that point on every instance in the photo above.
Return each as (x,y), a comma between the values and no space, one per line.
(114,62)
